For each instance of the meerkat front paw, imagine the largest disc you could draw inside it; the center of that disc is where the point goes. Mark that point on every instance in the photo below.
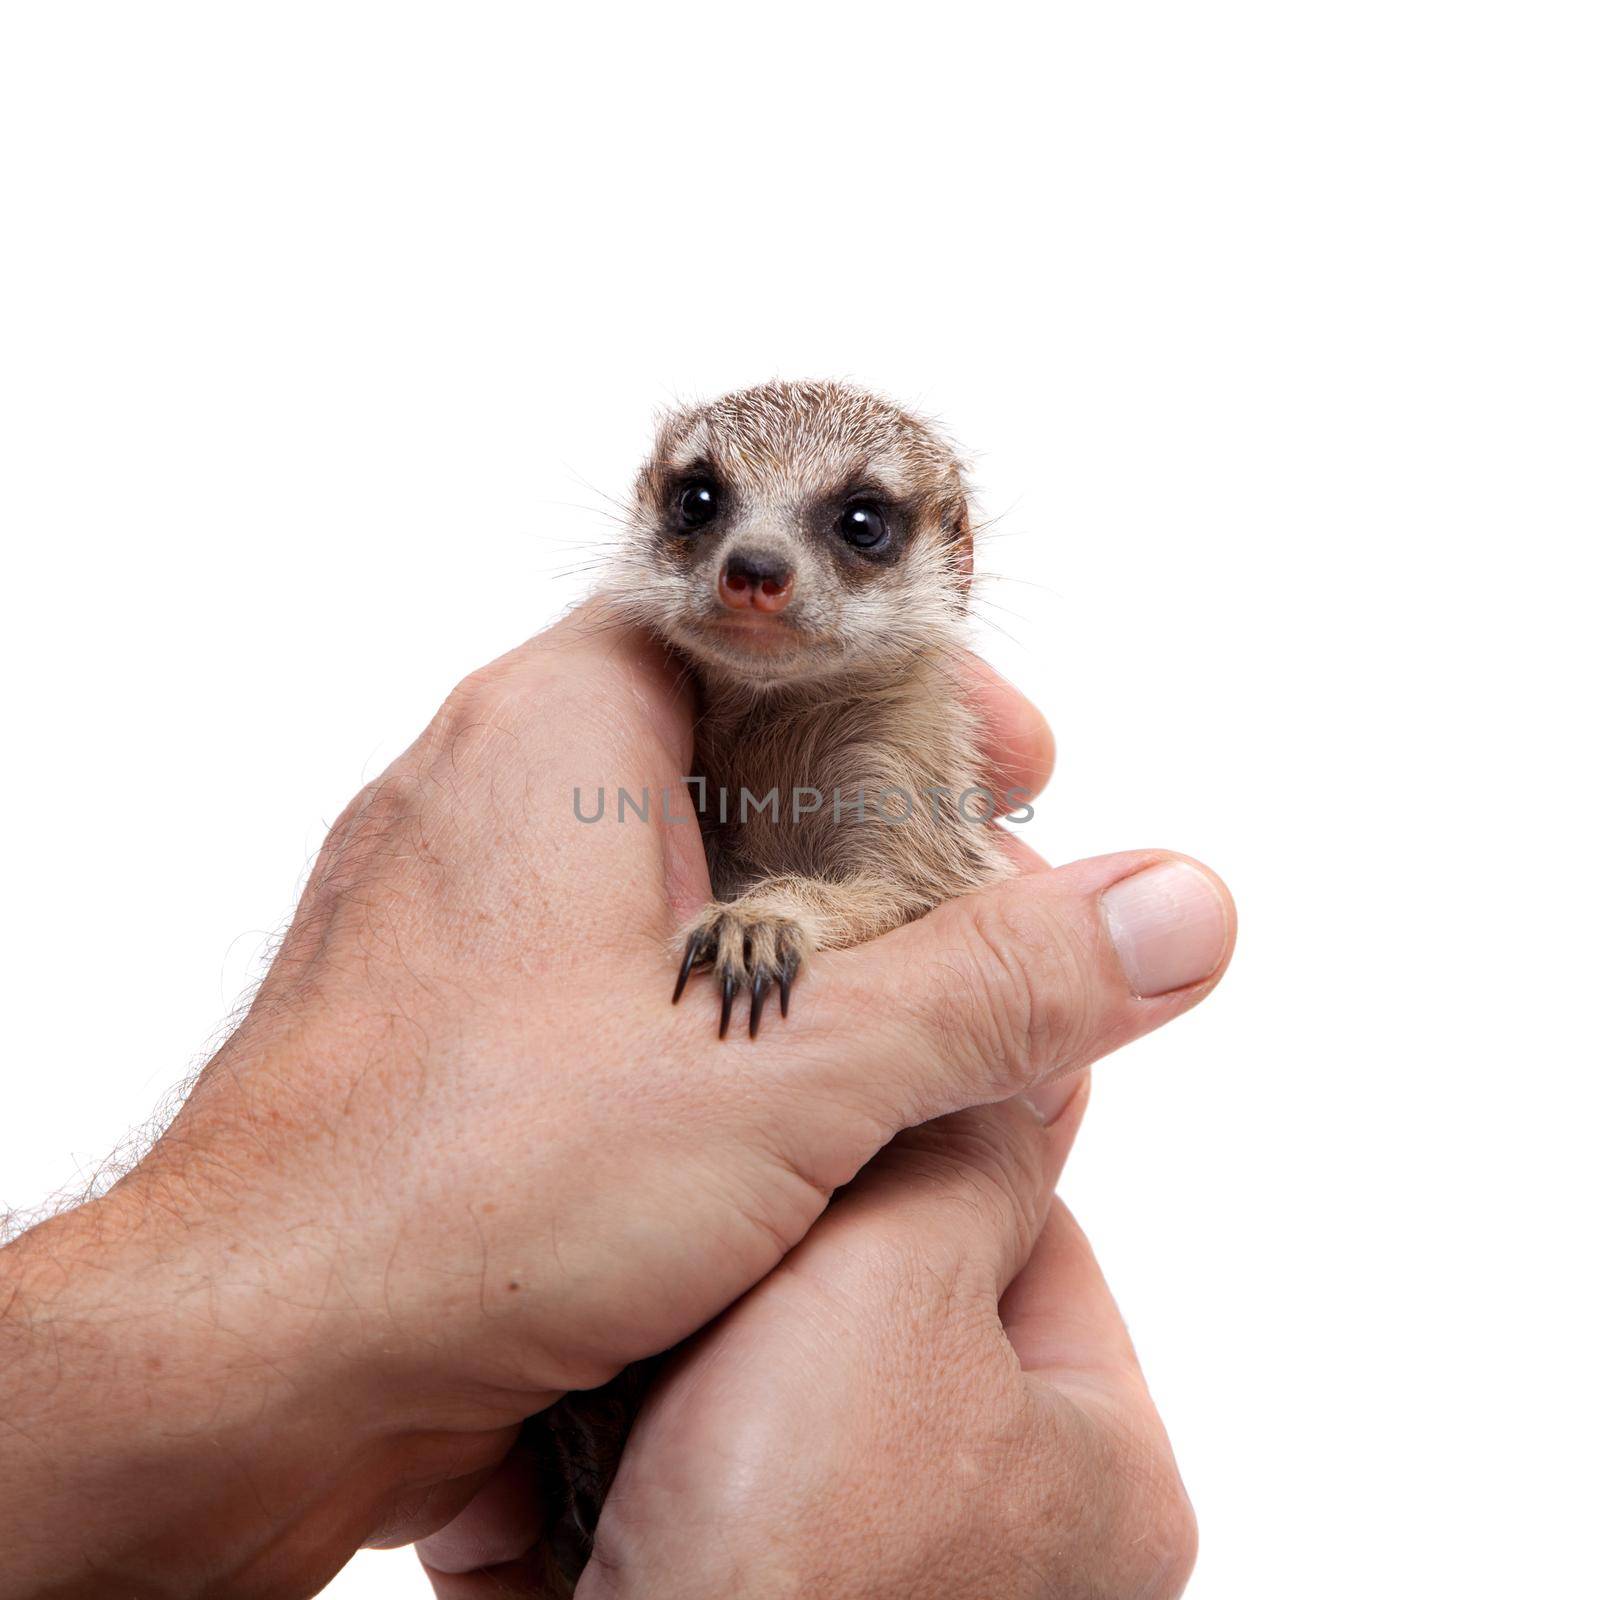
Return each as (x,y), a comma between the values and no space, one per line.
(745,947)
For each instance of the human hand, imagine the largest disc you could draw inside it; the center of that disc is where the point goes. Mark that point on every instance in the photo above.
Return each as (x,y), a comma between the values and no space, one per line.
(934,1395)
(462,1156)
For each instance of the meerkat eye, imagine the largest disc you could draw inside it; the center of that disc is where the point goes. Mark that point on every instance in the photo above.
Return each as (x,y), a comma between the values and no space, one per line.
(697,504)
(863,527)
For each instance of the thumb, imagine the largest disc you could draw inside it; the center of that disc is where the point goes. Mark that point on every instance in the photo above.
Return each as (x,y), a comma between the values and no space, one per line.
(999,992)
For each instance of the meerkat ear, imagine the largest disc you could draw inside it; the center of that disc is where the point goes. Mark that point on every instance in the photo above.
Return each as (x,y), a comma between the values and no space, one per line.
(956,520)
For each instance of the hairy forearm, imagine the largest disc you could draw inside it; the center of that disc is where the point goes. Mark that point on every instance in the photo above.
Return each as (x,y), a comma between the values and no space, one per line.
(170,1426)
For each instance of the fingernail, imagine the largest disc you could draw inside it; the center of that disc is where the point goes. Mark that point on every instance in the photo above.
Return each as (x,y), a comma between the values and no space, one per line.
(1169,926)
(1051,1099)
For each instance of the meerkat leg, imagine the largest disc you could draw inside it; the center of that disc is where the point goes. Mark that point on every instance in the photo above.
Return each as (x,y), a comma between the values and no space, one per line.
(762,939)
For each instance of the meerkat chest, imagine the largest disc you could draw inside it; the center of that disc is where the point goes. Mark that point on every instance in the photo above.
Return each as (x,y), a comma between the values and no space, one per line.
(771,790)
(811,789)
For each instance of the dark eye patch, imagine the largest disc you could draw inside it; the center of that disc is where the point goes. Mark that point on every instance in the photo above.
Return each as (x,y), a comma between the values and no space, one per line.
(863,524)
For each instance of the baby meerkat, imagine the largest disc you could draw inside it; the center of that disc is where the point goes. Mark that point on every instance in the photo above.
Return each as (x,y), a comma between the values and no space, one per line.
(808,548)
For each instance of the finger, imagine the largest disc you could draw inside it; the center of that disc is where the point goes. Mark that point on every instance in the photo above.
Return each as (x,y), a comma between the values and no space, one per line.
(1060,1315)
(995,993)
(1015,738)
(1023,856)
(500,1523)
(619,673)
(968,1192)
(585,726)
(528,1578)
(1137,1528)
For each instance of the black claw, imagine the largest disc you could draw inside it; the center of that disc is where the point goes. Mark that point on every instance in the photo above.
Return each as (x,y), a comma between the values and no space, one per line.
(785,979)
(730,987)
(758,998)
(692,952)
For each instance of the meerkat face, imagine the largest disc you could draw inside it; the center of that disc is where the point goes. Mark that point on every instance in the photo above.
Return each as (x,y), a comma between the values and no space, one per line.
(798,531)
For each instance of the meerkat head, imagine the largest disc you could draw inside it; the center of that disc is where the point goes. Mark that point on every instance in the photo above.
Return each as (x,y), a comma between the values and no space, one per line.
(798,531)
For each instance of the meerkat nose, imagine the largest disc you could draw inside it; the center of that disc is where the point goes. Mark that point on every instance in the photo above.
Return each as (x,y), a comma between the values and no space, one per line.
(755,582)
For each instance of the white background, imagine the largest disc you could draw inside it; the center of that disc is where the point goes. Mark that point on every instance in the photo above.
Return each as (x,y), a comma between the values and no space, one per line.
(324,329)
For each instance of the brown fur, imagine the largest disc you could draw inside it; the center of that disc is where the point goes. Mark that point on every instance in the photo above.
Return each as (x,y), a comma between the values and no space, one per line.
(863,694)
(865,691)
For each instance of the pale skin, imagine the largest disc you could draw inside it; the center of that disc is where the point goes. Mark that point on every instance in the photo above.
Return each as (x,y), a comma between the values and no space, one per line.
(463,1156)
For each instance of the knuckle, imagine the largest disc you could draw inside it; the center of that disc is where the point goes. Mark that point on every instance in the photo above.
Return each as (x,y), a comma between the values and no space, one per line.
(1168,1542)
(939,1302)
(482,722)
(1032,1012)
(365,830)
(1107,1495)
(351,874)
(977,1162)
(482,688)
(476,703)
(1183,1551)
(1152,1527)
